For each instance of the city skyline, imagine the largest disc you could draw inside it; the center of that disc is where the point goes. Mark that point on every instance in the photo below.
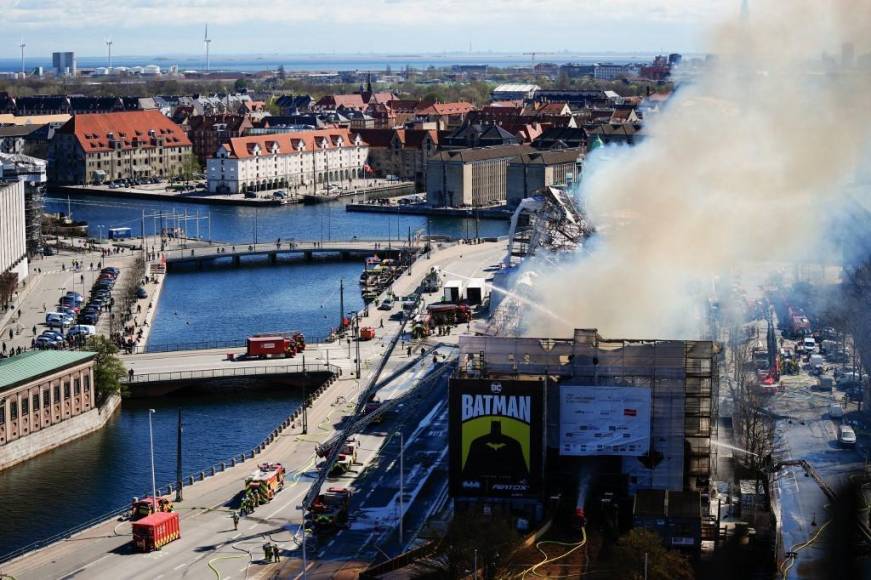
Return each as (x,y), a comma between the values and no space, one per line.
(391,26)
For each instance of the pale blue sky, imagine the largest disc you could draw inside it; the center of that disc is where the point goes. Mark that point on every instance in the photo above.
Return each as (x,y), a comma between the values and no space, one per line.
(148,27)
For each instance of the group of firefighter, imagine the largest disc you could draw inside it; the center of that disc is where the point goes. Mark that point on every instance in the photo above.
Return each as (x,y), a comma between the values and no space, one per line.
(253,497)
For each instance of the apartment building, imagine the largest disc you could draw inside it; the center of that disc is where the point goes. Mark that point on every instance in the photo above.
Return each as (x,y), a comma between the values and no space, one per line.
(97,148)
(301,161)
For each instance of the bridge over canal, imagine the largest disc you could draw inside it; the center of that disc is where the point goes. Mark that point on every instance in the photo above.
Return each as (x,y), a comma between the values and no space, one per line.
(291,249)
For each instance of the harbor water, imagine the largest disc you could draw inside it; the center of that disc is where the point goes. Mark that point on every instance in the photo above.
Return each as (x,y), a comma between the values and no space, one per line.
(102,471)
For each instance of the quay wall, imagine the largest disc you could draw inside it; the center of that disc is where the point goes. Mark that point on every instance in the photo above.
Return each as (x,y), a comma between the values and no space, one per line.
(413,209)
(51,437)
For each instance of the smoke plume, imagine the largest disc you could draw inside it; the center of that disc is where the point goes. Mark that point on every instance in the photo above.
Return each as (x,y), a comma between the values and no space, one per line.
(747,164)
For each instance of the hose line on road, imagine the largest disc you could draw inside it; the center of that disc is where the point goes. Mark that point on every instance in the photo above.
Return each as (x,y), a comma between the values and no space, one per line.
(548,560)
(231,557)
(790,561)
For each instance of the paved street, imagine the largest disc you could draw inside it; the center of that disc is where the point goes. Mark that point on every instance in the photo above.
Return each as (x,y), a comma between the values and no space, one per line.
(210,547)
(807,432)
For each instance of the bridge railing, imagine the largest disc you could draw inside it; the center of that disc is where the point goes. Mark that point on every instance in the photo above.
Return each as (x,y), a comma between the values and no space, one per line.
(207,345)
(230,372)
(287,245)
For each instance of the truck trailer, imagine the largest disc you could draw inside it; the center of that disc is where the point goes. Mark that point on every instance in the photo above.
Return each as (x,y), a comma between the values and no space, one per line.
(476,291)
(270,346)
(155,531)
(453,291)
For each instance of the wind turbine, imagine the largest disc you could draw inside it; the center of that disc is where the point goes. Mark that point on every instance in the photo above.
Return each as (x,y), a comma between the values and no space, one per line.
(21,45)
(109,46)
(207,41)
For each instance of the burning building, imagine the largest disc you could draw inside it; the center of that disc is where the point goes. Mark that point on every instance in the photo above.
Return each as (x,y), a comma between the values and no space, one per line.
(645,410)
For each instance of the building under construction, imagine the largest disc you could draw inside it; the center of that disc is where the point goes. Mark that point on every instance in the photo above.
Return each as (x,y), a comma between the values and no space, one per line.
(642,410)
(31,171)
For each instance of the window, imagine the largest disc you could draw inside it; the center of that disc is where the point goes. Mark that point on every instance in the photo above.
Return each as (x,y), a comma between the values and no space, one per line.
(25,406)
(35,401)
(67,390)
(87,383)
(13,410)
(57,393)
(2,411)
(77,386)
(45,397)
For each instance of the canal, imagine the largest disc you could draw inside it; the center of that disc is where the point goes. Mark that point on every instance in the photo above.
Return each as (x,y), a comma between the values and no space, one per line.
(89,477)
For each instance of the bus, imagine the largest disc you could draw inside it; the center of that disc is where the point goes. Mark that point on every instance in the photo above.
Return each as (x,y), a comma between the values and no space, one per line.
(119,233)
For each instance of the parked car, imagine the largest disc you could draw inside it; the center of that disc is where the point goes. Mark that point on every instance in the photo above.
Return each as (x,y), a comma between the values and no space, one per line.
(48,251)
(250,195)
(836,411)
(387,304)
(141,292)
(846,436)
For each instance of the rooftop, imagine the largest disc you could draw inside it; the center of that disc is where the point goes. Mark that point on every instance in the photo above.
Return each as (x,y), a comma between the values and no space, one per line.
(32,365)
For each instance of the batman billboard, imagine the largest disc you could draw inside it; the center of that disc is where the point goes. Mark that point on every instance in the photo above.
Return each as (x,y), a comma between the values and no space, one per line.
(496,437)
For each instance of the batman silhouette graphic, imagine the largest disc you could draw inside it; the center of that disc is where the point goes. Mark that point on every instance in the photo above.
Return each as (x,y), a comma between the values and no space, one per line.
(495,455)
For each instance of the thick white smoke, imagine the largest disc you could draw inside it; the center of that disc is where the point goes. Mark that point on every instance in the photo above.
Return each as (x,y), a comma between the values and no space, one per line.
(745,165)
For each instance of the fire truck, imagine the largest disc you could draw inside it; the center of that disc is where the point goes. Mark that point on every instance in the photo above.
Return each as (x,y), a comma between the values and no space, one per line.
(329,510)
(145,506)
(262,485)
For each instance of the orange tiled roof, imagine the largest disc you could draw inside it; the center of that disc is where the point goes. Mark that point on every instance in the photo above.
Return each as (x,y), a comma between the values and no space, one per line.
(458,108)
(243,147)
(93,130)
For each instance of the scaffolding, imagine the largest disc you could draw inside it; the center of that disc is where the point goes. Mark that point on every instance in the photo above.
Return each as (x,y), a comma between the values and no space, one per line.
(682,376)
(31,171)
(546,220)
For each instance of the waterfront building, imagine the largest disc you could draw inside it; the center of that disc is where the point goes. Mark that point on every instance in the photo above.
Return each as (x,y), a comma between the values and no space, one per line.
(64,63)
(474,177)
(31,172)
(13,233)
(532,171)
(303,161)
(39,392)
(103,147)
(401,152)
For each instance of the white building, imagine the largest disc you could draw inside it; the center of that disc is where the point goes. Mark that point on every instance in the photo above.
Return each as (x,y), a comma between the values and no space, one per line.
(13,235)
(514,92)
(303,161)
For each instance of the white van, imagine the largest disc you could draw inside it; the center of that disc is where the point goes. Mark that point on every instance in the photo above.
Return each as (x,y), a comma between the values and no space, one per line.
(846,436)
(809,344)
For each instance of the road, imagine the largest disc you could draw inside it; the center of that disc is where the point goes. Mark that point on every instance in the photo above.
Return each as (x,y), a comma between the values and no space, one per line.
(807,432)
(209,546)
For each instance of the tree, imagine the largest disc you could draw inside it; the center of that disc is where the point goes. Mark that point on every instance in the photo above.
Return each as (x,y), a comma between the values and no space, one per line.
(108,368)
(489,536)
(662,564)
(8,284)
(240,86)
(190,166)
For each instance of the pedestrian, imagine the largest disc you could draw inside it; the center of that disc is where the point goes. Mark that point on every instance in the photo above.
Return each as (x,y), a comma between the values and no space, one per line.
(275,553)
(33,329)
(267,552)
(382,323)
(235,521)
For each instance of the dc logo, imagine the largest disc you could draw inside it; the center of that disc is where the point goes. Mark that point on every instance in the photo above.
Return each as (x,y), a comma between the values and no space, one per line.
(496,388)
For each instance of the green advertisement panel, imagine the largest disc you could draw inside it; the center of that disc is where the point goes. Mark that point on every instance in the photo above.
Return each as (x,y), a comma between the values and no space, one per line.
(496,437)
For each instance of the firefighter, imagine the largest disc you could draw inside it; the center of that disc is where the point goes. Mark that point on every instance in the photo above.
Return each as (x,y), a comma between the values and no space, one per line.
(275,553)
(235,521)
(267,552)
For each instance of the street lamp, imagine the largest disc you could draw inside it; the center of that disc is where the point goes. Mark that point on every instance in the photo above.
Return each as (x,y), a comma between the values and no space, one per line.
(304,555)
(401,485)
(151,445)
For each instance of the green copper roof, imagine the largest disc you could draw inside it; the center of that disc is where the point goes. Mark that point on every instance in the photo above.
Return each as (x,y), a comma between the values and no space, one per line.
(26,367)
